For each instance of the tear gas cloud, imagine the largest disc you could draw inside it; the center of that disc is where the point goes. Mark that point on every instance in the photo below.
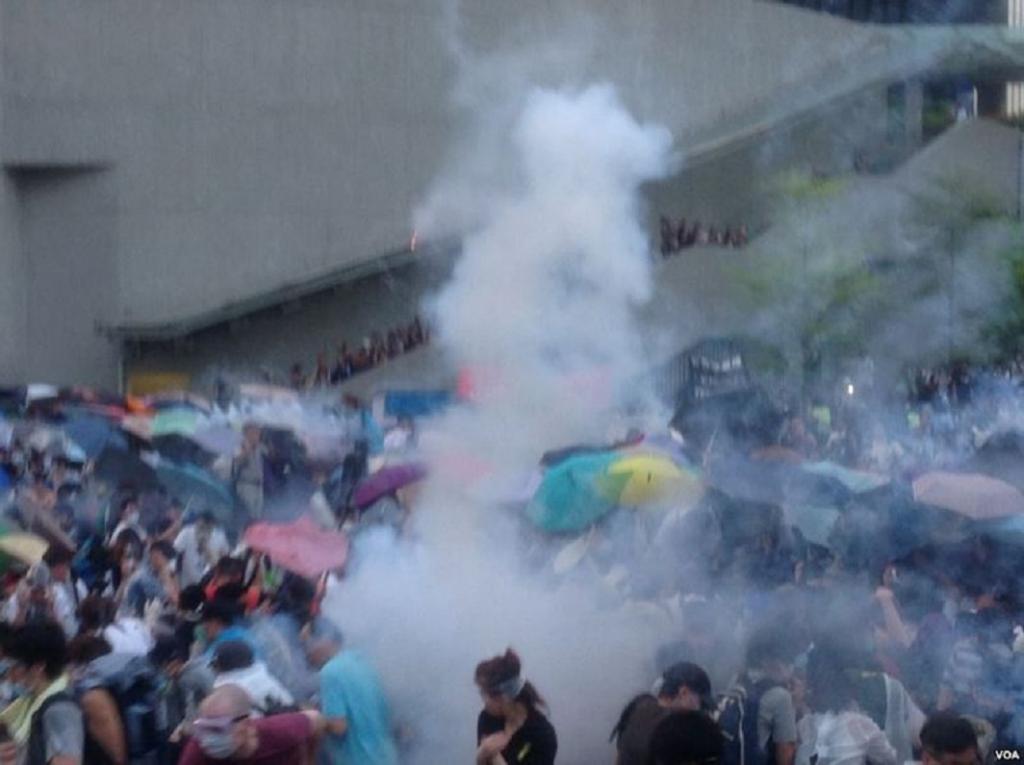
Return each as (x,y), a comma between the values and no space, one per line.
(541,304)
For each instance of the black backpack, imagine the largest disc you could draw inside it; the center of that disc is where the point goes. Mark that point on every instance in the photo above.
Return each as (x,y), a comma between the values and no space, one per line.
(736,714)
(135,686)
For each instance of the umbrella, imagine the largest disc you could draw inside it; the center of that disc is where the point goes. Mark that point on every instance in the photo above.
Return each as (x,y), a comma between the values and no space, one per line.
(22,546)
(1001,456)
(386,481)
(92,432)
(651,478)
(180,420)
(117,466)
(301,547)
(182,449)
(190,483)
(569,498)
(815,523)
(139,426)
(219,439)
(857,481)
(969,494)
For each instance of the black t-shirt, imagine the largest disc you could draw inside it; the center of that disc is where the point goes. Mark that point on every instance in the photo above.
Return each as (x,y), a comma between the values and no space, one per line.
(533,744)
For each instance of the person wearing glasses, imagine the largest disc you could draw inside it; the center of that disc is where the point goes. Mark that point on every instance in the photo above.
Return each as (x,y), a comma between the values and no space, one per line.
(227,729)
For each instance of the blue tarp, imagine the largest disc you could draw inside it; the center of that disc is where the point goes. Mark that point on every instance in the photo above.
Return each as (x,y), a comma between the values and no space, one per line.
(415,403)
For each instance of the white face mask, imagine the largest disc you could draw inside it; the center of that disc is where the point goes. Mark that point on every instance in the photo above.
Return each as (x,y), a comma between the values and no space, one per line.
(219,745)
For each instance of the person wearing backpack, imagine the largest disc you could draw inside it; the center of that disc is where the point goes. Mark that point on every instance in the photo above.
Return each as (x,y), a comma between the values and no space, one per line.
(683,687)
(44,726)
(119,696)
(757,715)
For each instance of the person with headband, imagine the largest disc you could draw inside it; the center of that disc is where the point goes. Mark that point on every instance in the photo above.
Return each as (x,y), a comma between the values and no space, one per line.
(513,728)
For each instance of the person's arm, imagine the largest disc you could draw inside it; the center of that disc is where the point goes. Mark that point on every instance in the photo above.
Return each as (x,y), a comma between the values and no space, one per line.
(781,717)
(318,723)
(785,752)
(103,721)
(877,750)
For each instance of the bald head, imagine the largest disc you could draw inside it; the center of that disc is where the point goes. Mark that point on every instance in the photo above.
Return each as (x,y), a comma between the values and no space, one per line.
(226,701)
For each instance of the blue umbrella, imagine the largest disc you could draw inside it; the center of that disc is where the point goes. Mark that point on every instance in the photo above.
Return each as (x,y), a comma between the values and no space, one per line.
(93,433)
(573,495)
(193,484)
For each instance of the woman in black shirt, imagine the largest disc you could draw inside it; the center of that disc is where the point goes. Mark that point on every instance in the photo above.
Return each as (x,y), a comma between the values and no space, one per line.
(513,728)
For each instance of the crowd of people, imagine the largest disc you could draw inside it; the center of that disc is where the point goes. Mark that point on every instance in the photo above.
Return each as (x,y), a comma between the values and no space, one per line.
(147,633)
(376,349)
(676,237)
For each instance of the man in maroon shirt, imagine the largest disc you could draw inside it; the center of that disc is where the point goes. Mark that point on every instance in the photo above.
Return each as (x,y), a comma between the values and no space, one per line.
(226,731)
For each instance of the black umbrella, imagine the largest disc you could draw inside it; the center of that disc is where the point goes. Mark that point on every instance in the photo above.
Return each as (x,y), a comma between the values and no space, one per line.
(182,449)
(119,466)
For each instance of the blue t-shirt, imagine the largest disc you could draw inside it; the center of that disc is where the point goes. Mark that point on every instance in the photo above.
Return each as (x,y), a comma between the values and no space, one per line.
(349,688)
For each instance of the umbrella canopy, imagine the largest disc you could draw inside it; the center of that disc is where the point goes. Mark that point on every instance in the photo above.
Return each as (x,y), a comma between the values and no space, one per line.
(301,547)
(1001,456)
(179,420)
(386,481)
(651,478)
(182,449)
(219,439)
(815,523)
(857,481)
(117,466)
(92,432)
(969,494)
(190,483)
(22,546)
(575,493)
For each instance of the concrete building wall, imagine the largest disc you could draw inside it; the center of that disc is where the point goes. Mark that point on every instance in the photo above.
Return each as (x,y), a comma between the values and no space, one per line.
(252,144)
(730,188)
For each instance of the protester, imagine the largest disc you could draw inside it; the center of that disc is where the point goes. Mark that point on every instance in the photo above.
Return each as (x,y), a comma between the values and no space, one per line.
(513,725)
(686,737)
(757,715)
(226,729)
(355,710)
(222,622)
(682,687)
(837,732)
(155,580)
(39,599)
(234,663)
(948,739)
(200,544)
(127,634)
(45,725)
(247,472)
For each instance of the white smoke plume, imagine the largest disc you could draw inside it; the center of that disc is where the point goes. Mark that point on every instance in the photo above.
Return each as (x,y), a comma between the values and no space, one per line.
(541,306)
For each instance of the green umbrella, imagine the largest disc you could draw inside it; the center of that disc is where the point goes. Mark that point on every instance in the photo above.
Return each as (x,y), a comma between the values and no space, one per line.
(180,420)
(574,494)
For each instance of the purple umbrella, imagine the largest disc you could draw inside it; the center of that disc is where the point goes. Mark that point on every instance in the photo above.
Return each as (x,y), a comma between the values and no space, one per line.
(386,481)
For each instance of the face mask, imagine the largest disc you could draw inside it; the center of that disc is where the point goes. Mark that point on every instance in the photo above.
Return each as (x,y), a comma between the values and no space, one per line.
(216,744)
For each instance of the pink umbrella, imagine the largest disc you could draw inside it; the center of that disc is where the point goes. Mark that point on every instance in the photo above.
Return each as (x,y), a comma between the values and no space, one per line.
(975,496)
(386,481)
(302,546)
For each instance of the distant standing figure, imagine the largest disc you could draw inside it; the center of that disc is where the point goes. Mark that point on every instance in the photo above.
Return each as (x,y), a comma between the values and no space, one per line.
(247,472)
